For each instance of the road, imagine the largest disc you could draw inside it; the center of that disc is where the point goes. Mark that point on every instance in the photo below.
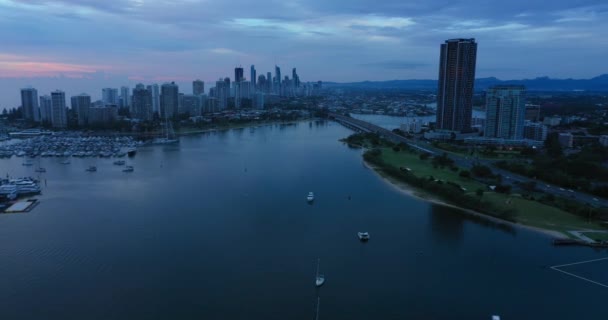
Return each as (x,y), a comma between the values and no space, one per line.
(466,162)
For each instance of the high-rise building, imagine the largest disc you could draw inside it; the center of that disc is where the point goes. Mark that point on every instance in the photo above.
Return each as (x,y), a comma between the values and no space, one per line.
(191,104)
(456,81)
(125,96)
(277,79)
(535,131)
(295,78)
(253,78)
(505,112)
(29,104)
(142,103)
(59,117)
(533,112)
(238,74)
(46,110)
(269,87)
(222,93)
(198,87)
(154,90)
(81,105)
(109,96)
(169,100)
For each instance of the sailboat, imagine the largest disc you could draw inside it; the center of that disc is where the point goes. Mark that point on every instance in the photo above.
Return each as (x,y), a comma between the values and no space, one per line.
(320,279)
(169,134)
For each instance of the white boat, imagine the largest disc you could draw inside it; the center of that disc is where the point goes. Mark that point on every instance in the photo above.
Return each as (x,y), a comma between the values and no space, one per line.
(27,163)
(310,197)
(91,169)
(119,162)
(8,191)
(320,279)
(41,170)
(65,162)
(128,169)
(495,317)
(363,236)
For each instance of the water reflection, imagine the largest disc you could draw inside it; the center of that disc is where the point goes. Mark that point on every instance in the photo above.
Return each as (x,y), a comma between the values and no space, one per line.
(447,224)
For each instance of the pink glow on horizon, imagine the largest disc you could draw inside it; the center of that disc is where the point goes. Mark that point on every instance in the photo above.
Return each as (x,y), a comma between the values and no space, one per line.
(12,66)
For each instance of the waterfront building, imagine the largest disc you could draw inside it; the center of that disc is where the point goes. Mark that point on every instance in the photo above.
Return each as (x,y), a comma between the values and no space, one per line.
(191,104)
(125,97)
(296,78)
(81,105)
(29,104)
(46,109)
(155,91)
(59,118)
(198,87)
(142,103)
(566,140)
(103,115)
(169,100)
(258,102)
(456,80)
(505,112)
(222,93)
(109,96)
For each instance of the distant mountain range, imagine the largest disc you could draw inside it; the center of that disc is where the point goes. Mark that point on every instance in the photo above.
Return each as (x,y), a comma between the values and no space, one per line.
(599,83)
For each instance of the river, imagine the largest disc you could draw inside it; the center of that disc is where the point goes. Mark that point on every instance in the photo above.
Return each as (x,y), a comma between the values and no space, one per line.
(218,227)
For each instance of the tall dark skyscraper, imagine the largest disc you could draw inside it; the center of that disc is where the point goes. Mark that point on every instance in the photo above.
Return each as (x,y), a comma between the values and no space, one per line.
(253,77)
(456,80)
(29,104)
(238,74)
(295,78)
(142,103)
(198,87)
(169,95)
(277,79)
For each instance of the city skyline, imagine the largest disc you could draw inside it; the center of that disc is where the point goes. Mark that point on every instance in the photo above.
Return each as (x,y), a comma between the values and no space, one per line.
(190,40)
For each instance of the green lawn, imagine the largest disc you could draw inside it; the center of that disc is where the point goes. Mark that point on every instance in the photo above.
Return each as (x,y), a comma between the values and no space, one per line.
(424,168)
(528,212)
(601,236)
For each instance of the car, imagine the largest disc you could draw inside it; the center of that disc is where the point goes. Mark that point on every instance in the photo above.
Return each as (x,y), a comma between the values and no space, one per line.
(595,199)
(570,190)
(548,186)
(562,189)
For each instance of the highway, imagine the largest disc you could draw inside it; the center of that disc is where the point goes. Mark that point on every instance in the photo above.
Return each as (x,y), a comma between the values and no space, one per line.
(466,162)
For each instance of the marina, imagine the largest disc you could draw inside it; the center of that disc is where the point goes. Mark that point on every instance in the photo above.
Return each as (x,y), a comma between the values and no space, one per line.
(70,144)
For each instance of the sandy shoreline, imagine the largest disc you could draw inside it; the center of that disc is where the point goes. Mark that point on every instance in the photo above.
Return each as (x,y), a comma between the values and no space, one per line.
(410,191)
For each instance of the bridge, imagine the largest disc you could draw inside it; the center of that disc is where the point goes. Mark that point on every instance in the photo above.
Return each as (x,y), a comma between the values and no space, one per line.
(364,126)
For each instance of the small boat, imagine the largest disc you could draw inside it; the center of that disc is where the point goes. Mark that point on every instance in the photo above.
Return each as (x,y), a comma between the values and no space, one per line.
(119,163)
(92,169)
(363,236)
(65,162)
(27,163)
(128,169)
(41,170)
(310,197)
(131,152)
(320,279)
(495,317)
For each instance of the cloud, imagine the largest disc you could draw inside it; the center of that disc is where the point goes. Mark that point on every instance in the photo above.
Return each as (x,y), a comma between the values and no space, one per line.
(395,64)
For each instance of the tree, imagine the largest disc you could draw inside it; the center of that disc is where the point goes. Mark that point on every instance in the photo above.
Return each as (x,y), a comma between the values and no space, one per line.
(465,174)
(481,171)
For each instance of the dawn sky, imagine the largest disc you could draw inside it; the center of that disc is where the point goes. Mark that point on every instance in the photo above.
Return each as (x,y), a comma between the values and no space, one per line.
(83,45)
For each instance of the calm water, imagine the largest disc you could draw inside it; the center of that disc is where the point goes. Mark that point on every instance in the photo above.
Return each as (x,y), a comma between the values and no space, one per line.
(392,122)
(219,228)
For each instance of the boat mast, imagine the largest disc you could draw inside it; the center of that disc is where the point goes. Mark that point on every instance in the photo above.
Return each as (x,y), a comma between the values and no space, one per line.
(318,304)
(318,262)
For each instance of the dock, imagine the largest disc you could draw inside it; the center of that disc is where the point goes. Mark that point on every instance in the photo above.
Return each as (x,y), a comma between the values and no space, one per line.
(574,242)
(22,206)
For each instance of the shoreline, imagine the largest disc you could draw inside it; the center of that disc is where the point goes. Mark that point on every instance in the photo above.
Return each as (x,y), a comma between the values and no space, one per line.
(248,125)
(406,189)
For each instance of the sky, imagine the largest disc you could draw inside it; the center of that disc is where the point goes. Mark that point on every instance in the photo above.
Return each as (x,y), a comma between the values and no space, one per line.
(83,45)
